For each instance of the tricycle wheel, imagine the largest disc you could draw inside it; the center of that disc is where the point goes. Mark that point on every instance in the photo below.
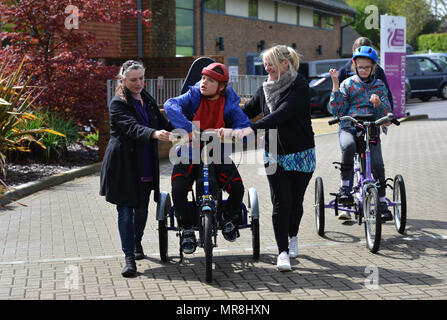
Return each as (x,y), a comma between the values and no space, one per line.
(319,206)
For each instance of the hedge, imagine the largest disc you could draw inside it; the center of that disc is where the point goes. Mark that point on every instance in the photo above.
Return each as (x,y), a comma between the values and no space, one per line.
(433,41)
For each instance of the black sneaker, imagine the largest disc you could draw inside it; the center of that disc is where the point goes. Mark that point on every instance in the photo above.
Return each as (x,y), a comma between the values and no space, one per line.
(385,212)
(230,231)
(345,195)
(139,254)
(188,241)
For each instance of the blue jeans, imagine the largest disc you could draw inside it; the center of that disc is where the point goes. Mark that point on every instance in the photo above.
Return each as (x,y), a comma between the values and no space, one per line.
(131,224)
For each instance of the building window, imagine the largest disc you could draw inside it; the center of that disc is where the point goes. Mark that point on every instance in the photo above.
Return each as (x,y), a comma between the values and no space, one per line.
(184,31)
(323,21)
(253,8)
(215,5)
(297,15)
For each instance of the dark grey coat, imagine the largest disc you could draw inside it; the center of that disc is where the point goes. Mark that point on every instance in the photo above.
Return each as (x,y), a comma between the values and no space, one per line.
(122,164)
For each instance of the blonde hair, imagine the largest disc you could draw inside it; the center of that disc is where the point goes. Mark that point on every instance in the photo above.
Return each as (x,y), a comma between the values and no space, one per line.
(279,53)
(127,66)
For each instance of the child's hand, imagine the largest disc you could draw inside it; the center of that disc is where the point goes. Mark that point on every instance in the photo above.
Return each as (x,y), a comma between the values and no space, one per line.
(240,133)
(375,100)
(224,132)
(334,77)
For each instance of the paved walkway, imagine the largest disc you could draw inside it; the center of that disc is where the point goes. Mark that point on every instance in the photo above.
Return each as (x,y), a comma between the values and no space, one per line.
(65,245)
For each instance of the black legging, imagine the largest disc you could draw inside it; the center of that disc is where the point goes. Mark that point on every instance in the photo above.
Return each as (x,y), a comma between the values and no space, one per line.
(287,190)
(184,175)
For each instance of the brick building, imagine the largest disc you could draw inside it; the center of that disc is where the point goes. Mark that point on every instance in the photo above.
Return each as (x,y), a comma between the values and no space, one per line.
(238,30)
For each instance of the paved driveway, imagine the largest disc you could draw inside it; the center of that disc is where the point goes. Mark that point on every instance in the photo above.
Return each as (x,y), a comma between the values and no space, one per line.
(64,243)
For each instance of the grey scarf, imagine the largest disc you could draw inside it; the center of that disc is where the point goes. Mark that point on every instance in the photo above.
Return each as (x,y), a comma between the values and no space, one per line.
(273,89)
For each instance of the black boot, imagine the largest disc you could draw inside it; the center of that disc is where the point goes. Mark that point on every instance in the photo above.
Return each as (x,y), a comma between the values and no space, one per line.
(130,270)
(139,254)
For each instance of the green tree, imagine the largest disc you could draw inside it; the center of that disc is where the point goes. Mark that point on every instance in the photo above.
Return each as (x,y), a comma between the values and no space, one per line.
(418,13)
(360,22)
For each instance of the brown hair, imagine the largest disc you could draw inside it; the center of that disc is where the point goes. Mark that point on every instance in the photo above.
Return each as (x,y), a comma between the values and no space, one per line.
(127,66)
(361,41)
(220,71)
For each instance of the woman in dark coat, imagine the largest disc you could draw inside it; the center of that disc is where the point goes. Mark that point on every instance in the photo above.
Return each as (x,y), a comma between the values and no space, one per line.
(284,101)
(130,168)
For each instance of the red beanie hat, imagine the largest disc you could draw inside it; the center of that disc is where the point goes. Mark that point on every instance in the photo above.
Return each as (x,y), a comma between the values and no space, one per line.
(209,71)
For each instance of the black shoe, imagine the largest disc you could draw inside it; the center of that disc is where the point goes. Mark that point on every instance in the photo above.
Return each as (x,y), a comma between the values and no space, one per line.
(189,243)
(345,195)
(385,212)
(139,254)
(130,270)
(230,231)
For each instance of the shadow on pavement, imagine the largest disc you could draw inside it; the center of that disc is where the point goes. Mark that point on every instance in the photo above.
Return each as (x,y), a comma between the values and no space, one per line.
(240,273)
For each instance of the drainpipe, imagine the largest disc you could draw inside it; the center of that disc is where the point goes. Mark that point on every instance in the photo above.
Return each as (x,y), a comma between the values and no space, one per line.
(341,33)
(140,31)
(202,27)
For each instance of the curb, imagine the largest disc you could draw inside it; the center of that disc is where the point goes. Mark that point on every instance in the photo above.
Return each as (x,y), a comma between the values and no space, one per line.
(47,182)
(414,117)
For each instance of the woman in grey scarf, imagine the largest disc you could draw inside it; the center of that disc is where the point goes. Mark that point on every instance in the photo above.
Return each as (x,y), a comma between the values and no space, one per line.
(284,101)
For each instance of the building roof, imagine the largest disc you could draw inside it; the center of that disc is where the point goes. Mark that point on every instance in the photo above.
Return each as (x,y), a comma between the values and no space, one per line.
(334,6)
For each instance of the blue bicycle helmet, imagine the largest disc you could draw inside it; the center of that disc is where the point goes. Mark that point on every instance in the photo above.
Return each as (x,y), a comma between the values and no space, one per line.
(365,52)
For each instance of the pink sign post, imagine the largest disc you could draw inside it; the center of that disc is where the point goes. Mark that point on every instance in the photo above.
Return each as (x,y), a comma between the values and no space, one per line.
(393,59)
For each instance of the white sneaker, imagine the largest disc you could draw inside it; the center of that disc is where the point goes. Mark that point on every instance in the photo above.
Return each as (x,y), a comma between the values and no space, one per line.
(293,247)
(344,215)
(283,263)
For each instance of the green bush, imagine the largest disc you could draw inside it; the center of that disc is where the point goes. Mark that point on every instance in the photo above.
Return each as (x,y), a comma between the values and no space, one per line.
(433,41)
(55,145)
(92,139)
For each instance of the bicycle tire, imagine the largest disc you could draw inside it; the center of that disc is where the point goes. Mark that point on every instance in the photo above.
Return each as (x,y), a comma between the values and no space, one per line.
(400,209)
(208,246)
(372,219)
(319,206)
(255,238)
(163,239)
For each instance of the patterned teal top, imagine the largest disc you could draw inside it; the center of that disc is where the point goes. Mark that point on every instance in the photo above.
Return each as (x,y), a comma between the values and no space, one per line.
(304,161)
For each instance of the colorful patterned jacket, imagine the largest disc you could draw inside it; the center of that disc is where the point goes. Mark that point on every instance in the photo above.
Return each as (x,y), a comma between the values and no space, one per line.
(353,99)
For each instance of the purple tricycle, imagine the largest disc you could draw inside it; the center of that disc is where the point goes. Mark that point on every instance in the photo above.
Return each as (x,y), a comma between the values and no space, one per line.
(365,204)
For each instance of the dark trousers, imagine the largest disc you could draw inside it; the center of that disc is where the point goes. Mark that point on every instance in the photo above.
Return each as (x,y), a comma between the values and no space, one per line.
(132,221)
(183,177)
(287,189)
(348,148)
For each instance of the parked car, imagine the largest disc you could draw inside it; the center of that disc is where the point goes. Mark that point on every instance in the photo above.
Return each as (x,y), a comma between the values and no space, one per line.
(312,69)
(320,88)
(439,58)
(427,78)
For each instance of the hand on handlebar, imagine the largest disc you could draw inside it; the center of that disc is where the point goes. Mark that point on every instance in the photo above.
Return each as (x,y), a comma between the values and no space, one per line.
(240,133)
(224,132)
(162,135)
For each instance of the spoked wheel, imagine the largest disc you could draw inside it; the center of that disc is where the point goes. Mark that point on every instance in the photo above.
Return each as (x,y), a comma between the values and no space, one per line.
(208,246)
(163,211)
(372,219)
(319,206)
(254,212)
(400,207)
